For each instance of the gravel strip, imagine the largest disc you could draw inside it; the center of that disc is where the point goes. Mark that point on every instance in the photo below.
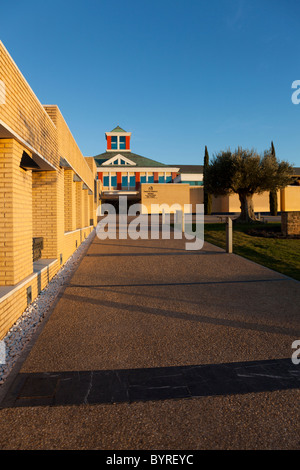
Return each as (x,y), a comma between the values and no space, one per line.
(23,329)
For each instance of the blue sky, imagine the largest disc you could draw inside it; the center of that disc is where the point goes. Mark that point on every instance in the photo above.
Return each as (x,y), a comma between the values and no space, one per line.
(178,74)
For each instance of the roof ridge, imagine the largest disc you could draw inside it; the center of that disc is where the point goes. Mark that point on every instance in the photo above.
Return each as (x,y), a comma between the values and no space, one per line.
(139,159)
(118,129)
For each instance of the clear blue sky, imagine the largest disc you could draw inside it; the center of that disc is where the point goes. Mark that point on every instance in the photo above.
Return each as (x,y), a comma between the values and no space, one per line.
(178,74)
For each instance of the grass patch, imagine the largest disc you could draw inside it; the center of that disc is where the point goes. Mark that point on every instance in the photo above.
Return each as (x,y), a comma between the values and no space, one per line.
(282,255)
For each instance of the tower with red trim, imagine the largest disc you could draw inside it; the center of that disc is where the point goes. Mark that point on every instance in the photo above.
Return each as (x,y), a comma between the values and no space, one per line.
(118,139)
(122,171)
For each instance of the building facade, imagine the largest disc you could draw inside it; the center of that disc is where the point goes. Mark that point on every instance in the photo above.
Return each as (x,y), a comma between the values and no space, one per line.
(48,193)
(122,172)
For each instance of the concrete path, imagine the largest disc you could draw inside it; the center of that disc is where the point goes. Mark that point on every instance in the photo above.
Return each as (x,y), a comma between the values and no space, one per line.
(154,347)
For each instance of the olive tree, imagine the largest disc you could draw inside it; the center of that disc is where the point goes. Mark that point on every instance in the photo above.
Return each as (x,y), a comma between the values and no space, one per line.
(245,173)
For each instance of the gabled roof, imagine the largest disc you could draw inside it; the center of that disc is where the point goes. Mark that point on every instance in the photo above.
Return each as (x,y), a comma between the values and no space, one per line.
(137,159)
(118,129)
(119,156)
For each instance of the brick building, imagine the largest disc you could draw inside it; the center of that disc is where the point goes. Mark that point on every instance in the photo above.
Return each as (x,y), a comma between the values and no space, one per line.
(48,193)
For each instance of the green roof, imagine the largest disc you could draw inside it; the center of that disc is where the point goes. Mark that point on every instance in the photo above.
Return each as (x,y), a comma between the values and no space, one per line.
(196,169)
(137,159)
(118,129)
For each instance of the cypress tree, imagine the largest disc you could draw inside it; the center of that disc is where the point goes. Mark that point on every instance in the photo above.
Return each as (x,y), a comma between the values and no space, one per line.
(273,194)
(207,196)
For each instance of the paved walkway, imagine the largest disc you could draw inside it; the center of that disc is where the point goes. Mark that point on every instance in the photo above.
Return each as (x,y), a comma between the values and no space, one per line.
(154,347)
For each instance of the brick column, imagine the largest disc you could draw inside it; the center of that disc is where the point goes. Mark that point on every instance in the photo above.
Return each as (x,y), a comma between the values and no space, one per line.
(85,208)
(15,214)
(69,200)
(91,209)
(79,205)
(48,211)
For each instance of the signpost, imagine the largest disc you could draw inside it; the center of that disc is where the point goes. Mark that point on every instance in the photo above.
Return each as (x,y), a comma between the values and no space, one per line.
(229,235)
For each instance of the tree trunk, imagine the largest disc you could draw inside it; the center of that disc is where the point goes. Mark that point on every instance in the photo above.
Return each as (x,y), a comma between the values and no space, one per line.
(273,202)
(247,211)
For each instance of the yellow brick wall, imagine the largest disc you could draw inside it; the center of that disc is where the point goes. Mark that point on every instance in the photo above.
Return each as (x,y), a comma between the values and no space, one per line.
(42,127)
(46,204)
(92,165)
(48,210)
(79,205)
(94,202)
(85,208)
(12,307)
(69,201)
(73,240)
(68,148)
(15,215)
(92,209)
(23,113)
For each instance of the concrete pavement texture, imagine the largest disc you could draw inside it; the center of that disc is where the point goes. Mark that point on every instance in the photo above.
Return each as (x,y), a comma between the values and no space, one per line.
(143,305)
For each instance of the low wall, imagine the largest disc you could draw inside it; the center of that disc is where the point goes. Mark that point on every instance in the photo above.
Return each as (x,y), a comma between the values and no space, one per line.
(290,223)
(13,299)
(72,240)
(13,304)
(231,203)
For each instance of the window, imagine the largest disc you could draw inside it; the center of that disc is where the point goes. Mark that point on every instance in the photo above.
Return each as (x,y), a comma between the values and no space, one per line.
(118,142)
(143,179)
(113,181)
(168,179)
(193,183)
(161,179)
(124,182)
(122,142)
(114,142)
(132,181)
(105,180)
(122,162)
(150,179)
